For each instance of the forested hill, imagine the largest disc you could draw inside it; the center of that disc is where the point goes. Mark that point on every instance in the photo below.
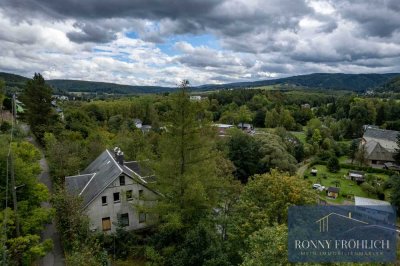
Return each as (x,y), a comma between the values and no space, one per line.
(391,85)
(104,87)
(13,80)
(338,81)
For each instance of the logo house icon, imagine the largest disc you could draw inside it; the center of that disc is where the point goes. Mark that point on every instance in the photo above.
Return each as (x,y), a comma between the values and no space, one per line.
(324,221)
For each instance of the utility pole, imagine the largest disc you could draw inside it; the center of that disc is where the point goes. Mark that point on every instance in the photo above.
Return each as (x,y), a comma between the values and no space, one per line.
(13,187)
(14,193)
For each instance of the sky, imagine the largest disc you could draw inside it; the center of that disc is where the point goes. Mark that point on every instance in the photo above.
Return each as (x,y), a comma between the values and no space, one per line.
(160,42)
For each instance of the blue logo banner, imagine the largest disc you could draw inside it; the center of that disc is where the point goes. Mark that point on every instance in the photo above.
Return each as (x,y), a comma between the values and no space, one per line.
(342,234)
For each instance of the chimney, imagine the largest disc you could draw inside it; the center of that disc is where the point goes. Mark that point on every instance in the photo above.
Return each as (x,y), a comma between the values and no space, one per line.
(120,159)
(116,150)
(350,215)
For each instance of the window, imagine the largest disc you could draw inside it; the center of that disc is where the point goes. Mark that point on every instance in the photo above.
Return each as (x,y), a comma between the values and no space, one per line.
(106,222)
(116,197)
(142,217)
(104,200)
(124,219)
(122,180)
(141,193)
(129,195)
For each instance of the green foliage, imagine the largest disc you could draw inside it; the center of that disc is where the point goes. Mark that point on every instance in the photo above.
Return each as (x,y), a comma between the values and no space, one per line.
(280,117)
(397,154)
(72,223)
(333,164)
(268,246)
(26,249)
(264,202)
(191,184)
(243,151)
(394,182)
(274,153)
(37,99)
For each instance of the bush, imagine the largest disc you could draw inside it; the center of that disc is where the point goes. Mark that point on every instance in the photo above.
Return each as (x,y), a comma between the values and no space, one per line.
(366,169)
(333,164)
(5,126)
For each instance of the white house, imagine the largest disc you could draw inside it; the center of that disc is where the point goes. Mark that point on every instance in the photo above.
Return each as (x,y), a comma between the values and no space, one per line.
(113,191)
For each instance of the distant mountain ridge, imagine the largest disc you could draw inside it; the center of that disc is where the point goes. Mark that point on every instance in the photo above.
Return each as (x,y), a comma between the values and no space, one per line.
(334,81)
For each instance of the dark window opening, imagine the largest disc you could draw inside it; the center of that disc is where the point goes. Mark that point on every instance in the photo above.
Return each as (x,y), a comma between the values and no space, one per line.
(104,200)
(129,195)
(122,180)
(124,219)
(141,193)
(116,197)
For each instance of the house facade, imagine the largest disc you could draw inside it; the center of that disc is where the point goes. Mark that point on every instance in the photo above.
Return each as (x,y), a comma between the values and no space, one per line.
(114,193)
(379,145)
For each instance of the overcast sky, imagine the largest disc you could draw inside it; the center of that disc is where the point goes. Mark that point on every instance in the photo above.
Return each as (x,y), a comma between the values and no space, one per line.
(159,42)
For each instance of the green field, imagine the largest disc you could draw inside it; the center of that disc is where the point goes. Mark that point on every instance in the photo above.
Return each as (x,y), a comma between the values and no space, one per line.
(301,135)
(347,187)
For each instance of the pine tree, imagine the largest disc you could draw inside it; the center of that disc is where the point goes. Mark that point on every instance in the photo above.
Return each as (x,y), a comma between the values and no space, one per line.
(186,170)
(37,100)
(191,186)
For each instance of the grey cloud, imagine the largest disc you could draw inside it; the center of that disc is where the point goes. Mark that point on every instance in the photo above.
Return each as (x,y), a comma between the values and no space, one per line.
(90,33)
(376,17)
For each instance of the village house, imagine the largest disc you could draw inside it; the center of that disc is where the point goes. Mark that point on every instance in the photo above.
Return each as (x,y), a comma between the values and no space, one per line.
(379,145)
(195,98)
(112,191)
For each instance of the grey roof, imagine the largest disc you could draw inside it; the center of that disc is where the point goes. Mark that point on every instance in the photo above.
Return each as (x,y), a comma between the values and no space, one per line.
(376,133)
(375,151)
(75,184)
(138,169)
(99,175)
(375,204)
(333,189)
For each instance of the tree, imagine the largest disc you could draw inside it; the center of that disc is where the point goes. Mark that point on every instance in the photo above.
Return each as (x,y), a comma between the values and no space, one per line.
(244,152)
(397,154)
(188,179)
(2,96)
(394,183)
(274,153)
(244,115)
(268,246)
(37,99)
(333,164)
(361,155)
(264,202)
(353,149)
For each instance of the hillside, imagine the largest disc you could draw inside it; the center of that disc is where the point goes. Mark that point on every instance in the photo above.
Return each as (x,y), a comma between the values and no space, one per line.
(13,80)
(104,87)
(392,85)
(336,81)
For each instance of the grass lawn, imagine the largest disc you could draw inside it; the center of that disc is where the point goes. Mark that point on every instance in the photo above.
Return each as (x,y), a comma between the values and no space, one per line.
(347,187)
(301,135)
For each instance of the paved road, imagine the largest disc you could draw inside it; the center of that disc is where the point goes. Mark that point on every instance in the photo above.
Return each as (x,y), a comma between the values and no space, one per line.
(56,256)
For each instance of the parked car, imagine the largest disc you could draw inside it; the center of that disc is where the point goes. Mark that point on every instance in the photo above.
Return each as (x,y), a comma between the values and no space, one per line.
(318,187)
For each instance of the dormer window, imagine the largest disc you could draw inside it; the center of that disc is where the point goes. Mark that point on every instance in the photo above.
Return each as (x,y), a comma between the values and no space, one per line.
(122,180)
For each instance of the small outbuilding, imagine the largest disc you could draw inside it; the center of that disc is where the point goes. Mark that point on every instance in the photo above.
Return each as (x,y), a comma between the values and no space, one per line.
(333,192)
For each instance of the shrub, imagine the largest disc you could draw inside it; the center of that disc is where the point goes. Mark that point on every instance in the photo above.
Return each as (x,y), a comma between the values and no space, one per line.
(333,164)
